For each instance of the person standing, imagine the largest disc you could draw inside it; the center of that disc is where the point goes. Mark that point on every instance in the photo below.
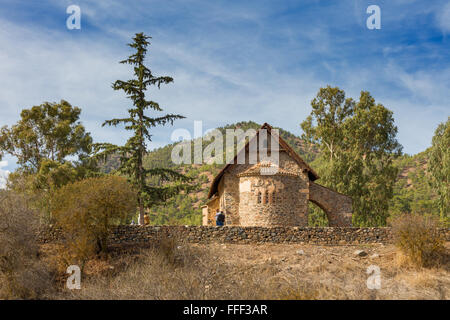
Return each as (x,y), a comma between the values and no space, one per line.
(146,219)
(220,218)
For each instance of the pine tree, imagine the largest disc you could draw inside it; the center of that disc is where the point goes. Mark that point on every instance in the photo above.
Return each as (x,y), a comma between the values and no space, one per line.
(133,152)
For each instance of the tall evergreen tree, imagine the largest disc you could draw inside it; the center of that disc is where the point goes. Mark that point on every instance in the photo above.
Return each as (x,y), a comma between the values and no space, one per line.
(133,152)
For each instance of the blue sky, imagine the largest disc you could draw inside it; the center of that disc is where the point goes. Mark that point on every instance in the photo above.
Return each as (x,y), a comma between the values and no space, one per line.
(231,60)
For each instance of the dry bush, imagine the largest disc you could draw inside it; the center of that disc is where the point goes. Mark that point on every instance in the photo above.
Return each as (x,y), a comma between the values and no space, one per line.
(86,212)
(22,275)
(417,237)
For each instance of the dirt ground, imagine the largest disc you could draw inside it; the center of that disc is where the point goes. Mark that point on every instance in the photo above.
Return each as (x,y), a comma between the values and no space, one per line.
(339,268)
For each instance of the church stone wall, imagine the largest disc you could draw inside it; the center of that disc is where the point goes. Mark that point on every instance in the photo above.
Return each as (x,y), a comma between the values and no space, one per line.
(231,198)
(282,200)
(273,200)
(338,207)
(292,200)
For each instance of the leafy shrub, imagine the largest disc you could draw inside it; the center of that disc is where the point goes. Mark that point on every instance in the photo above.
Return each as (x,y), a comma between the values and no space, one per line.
(87,210)
(22,275)
(418,239)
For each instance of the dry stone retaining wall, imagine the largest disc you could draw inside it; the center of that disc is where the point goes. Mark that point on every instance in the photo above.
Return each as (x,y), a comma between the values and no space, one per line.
(243,235)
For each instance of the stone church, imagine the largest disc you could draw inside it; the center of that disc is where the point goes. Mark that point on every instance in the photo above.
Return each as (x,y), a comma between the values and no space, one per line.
(250,197)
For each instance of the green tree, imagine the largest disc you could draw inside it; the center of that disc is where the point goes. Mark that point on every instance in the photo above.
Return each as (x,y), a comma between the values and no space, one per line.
(357,147)
(133,152)
(50,131)
(439,168)
(51,147)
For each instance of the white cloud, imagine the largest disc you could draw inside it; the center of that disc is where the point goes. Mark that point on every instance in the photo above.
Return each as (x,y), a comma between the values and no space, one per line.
(3,174)
(443,18)
(430,85)
(221,76)
(54,66)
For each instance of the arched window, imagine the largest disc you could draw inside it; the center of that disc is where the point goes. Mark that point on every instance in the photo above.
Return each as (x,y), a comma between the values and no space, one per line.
(272,197)
(267,197)
(259,197)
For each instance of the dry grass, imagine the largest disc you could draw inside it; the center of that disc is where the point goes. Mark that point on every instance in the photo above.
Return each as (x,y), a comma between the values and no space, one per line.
(418,241)
(173,270)
(168,271)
